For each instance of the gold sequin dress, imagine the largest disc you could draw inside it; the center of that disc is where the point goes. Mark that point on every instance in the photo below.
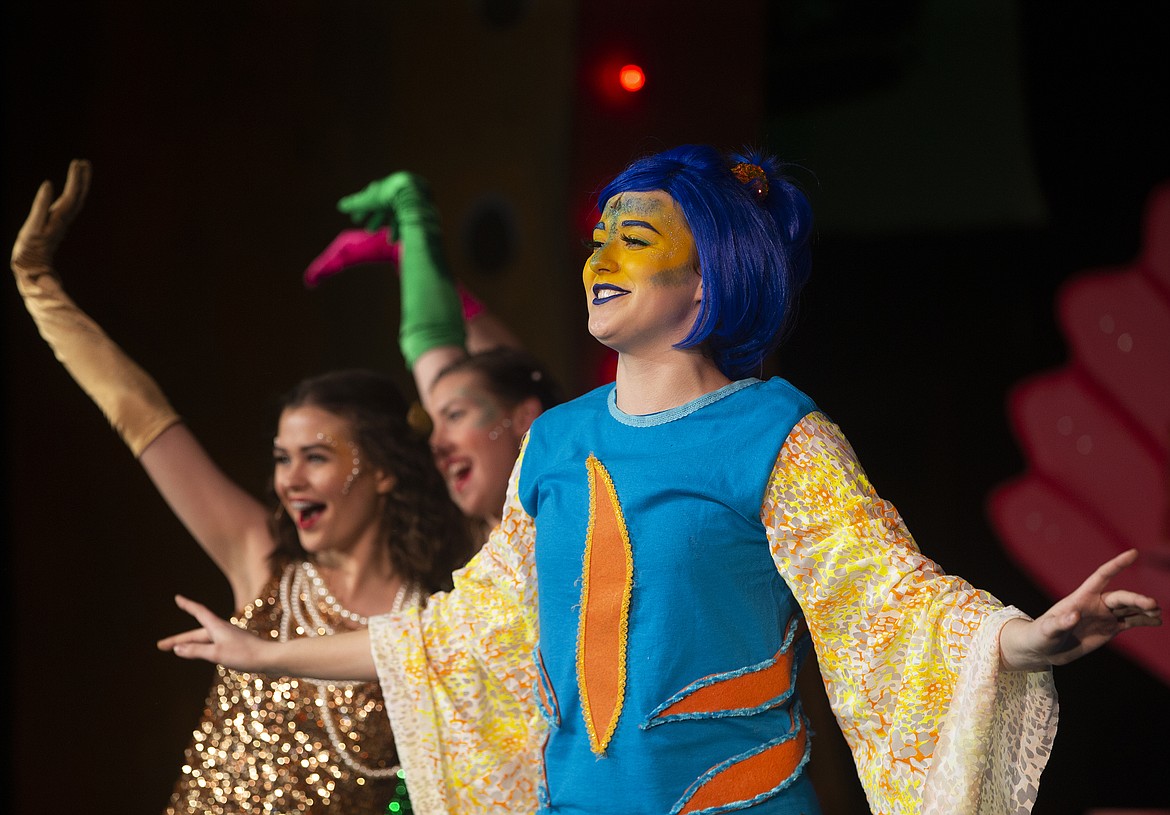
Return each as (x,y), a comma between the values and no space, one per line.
(286,745)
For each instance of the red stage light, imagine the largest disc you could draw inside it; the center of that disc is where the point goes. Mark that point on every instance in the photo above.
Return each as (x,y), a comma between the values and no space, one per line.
(631,78)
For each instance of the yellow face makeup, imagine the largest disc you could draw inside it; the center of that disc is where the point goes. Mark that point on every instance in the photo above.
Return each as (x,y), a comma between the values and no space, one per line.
(642,281)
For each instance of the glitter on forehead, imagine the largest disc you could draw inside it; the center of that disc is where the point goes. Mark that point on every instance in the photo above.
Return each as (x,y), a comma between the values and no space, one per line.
(655,206)
(468,387)
(474,391)
(663,214)
(299,422)
(638,204)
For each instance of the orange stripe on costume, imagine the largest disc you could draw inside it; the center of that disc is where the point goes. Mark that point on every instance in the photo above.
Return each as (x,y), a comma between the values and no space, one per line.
(754,776)
(606,581)
(739,692)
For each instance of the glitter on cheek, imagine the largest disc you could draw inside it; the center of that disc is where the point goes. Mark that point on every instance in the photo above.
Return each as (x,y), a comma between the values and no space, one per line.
(488,414)
(487,411)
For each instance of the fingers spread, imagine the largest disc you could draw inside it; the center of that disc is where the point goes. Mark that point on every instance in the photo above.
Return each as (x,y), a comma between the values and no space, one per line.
(199,611)
(1099,580)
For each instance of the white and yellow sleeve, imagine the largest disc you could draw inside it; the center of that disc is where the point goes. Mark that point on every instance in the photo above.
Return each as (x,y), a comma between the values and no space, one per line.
(458,678)
(909,654)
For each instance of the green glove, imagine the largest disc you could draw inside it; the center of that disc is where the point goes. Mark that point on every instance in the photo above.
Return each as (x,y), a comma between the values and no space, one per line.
(432,314)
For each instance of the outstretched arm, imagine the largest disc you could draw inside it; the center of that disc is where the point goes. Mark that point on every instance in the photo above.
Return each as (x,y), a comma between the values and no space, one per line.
(1080,623)
(338,657)
(128,397)
(227,522)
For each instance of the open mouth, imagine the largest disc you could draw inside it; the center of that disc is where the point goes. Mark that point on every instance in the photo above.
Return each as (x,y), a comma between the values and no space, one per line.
(306,513)
(606,291)
(458,474)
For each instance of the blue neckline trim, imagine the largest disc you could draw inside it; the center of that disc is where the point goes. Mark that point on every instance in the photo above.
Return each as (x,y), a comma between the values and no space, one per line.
(675,413)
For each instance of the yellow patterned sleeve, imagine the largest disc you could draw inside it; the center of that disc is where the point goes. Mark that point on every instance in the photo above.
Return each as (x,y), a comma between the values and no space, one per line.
(458,678)
(909,654)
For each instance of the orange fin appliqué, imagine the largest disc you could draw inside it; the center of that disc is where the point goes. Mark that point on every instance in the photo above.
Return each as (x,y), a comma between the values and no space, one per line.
(606,583)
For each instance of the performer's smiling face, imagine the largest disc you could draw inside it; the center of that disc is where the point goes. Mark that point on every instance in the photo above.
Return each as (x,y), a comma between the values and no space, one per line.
(333,497)
(475,440)
(642,282)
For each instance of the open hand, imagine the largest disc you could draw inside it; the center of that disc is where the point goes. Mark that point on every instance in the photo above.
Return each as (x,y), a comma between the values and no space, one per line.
(1080,623)
(46,225)
(217,641)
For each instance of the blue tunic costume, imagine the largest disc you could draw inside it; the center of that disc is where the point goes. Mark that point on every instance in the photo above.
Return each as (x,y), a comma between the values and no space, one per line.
(705,604)
(629,635)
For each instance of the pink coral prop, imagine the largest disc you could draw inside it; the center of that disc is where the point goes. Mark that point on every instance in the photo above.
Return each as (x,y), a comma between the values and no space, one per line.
(1096,434)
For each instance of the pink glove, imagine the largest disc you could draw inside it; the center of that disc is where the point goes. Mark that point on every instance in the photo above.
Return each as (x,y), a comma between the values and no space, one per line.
(353,247)
(472,307)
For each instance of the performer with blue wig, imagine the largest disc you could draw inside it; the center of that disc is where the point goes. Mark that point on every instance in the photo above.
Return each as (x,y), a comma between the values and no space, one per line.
(671,546)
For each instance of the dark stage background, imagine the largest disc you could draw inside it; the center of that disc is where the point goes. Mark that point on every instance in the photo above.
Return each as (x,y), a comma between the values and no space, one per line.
(963,160)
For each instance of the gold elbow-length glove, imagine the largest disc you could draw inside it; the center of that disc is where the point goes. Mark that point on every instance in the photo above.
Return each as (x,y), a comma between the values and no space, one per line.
(126,394)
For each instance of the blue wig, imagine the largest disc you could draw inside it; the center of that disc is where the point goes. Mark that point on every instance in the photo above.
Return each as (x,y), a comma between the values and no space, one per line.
(752,241)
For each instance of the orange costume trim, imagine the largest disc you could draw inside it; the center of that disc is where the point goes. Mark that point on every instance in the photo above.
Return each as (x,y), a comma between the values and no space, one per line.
(746,779)
(606,581)
(773,681)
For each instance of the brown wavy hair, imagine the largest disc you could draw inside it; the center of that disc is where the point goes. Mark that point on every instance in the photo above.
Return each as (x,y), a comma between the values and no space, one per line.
(424,530)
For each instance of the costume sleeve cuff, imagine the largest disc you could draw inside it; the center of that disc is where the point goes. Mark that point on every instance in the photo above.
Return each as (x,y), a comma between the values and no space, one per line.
(997,737)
